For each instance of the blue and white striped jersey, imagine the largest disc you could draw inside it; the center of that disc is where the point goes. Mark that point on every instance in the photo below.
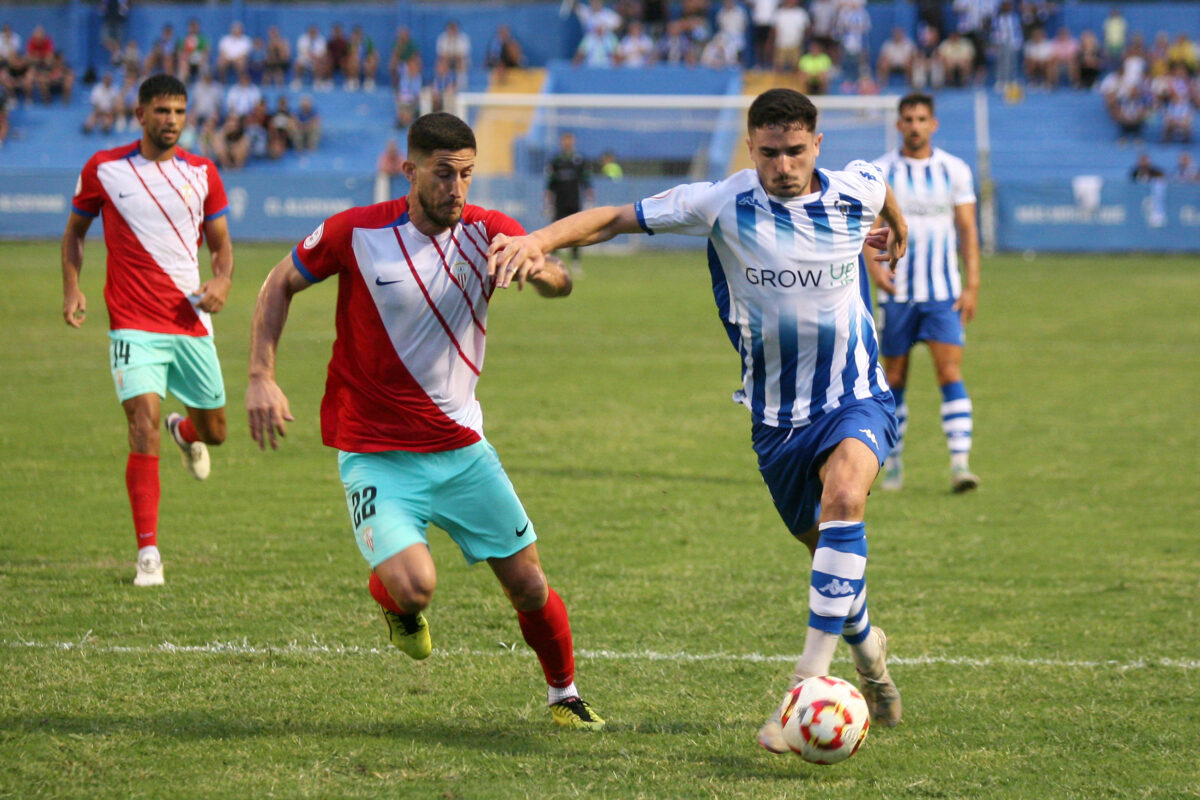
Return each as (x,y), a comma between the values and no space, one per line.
(927,190)
(785,277)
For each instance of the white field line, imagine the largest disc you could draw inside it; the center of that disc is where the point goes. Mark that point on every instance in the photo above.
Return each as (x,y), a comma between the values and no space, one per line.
(244,647)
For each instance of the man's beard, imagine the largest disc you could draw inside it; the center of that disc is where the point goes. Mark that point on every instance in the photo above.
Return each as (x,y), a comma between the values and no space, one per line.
(438,216)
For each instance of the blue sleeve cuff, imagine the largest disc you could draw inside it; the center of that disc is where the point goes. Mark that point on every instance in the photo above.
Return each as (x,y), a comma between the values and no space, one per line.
(642,217)
(81,212)
(303,270)
(220,213)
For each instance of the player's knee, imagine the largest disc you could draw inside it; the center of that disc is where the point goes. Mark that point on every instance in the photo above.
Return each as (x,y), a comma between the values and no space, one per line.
(529,591)
(844,502)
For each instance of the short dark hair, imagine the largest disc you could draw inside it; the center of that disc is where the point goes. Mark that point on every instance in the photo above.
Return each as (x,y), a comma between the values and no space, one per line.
(783,108)
(439,131)
(160,85)
(916,99)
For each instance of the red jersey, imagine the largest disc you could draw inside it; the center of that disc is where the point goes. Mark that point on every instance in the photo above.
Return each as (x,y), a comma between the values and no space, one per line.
(154,215)
(411,326)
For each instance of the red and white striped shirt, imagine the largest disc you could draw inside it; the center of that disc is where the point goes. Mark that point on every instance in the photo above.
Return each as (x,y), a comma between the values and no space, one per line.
(411,326)
(154,214)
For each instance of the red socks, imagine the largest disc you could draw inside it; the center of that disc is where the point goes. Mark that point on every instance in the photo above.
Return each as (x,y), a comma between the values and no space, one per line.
(548,632)
(141,480)
(187,431)
(380,593)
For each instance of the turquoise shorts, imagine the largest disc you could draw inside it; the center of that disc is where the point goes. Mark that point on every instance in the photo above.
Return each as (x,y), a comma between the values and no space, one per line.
(186,366)
(393,496)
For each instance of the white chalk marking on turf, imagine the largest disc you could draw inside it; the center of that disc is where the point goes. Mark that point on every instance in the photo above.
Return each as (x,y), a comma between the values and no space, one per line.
(244,647)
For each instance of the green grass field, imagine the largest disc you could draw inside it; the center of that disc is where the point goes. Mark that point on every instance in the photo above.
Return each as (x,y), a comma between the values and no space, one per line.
(1043,629)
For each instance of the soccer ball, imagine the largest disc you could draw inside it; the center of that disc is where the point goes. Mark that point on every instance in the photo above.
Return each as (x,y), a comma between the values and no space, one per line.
(824,719)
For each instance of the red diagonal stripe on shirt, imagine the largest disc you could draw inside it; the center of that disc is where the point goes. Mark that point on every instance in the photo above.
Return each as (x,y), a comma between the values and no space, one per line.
(179,194)
(166,216)
(487,293)
(462,291)
(429,300)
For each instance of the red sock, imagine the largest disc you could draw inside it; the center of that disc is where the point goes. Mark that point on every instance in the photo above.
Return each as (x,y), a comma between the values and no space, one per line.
(187,431)
(548,632)
(380,593)
(141,480)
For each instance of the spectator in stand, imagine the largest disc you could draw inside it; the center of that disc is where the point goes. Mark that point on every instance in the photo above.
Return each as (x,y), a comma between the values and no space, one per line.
(504,52)
(897,55)
(256,123)
(39,48)
(720,52)
(1091,59)
(1007,41)
(205,99)
(389,165)
(930,14)
(454,47)
(279,58)
(676,46)
(130,57)
(852,28)
(1114,31)
(608,166)
(788,29)
(957,57)
(242,97)
(10,45)
(595,16)
(55,79)
(1130,109)
(283,132)
(1064,53)
(338,47)
(403,49)
(231,145)
(17,78)
(734,22)
(409,84)
(1036,14)
(975,24)
(312,59)
(114,21)
(233,52)
(192,53)
(1163,89)
(598,47)
(161,55)
(694,16)
(1039,60)
(126,109)
(1185,170)
(823,16)
(256,62)
(815,70)
(1184,53)
(636,48)
(362,61)
(762,15)
(308,122)
(927,68)
(106,105)
(3,111)
(1177,116)
(443,86)
(1156,57)
(1134,61)
(1146,171)
(653,17)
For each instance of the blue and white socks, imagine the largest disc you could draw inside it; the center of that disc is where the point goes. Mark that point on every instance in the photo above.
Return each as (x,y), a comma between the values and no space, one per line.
(957,423)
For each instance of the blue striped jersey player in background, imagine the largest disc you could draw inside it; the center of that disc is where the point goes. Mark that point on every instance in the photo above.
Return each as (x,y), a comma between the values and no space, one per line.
(783,246)
(925,299)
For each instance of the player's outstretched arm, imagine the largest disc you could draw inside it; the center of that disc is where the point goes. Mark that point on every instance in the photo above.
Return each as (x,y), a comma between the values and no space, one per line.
(215,291)
(514,257)
(552,280)
(897,241)
(266,404)
(968,247)
(74,309)
(874,255)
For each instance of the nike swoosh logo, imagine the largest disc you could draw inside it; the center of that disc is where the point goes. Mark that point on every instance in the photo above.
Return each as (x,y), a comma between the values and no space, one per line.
(386,283)
(521,532)
(125,194)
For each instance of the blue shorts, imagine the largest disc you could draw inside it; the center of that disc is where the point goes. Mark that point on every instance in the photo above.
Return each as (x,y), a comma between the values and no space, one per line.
(790,459)
(393,496)
(905,324)
(155,363)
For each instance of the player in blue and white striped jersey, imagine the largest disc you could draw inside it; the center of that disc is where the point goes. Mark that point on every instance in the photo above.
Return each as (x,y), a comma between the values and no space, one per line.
(783,246)
(925,299)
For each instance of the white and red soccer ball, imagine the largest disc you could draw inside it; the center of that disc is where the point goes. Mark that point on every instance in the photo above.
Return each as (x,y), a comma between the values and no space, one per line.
(825,719)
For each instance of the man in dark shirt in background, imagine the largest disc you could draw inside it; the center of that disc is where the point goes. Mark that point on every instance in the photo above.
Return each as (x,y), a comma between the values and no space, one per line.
(568,179)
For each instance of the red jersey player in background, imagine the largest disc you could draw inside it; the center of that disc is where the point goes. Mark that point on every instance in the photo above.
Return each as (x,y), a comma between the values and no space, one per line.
(399,404)
(158,203)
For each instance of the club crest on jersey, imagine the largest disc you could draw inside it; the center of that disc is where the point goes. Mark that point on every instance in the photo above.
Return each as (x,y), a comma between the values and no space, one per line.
(314,237)
(843,206)
(460,272)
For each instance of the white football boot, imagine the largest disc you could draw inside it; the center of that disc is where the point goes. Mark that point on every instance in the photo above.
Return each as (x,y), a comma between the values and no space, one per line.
(149,568)
(194,454)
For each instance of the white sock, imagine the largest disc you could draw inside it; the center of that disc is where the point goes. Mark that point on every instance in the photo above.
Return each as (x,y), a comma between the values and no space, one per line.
(959,460)
(556,695)
(819,647)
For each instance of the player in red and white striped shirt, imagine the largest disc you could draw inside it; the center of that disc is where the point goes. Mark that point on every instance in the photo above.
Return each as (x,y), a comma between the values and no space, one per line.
(399,405)
(158,203)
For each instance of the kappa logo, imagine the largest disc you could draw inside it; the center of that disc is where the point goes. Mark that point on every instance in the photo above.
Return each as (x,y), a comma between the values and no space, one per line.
(750,200)
(870,176)
(836,587)
(870,435)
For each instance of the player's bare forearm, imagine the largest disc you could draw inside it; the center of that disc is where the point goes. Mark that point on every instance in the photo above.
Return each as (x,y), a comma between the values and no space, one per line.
(266,405)
(74,308)
(552,279)
(897,243)
(968,250)
(591,226)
